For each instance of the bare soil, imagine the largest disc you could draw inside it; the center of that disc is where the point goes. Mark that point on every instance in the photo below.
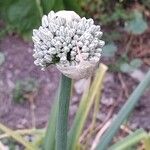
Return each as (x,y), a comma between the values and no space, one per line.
(19,65)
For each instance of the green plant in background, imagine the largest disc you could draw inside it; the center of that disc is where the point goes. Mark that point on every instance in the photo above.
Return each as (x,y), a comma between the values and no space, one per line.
(130,66)
(108,12)
(109,50)
(118,15)
(56,5)
(124,65)
(137,25)
(20,15)
(24,87)
(24,15)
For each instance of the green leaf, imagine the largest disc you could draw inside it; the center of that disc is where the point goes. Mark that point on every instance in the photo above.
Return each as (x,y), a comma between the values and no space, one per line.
(85,105)
(130,140)
(124,113)
(109,50)
(49,140)
(29,85)
(2,58)
(23,15)
(136,63)
(146,143)
(129,67)
(49,5)
(137,25)
(72,5)
(125,67)
(112,36)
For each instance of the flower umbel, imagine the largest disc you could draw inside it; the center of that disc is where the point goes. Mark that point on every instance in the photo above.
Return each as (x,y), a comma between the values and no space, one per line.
(71,43)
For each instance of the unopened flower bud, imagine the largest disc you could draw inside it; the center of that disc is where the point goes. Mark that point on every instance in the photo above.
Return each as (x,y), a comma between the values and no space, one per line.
(71,43)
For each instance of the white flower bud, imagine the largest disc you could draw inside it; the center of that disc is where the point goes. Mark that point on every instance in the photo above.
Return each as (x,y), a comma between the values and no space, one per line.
(63,58)
(68,15)
(70,46)
(48,58)
(66,49)
(102,43)
(35,39)
(73,53)
(52,51)
(85,49)
(44,21)
(98,50)
(80,44)
(64,44)
(51,16)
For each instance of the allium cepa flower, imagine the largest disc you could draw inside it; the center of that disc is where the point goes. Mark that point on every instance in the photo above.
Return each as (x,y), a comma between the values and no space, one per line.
(71,43)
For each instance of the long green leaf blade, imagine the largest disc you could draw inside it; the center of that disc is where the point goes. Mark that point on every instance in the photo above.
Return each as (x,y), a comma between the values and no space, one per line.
(49,141)
(124,113)
(49,5)
(84,108)
(72,5)
(130,140)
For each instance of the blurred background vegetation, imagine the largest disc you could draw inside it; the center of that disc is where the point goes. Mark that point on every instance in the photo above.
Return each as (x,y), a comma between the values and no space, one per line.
(122,21)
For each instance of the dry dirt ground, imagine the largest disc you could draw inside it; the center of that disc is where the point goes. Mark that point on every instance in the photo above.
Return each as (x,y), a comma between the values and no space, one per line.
(19,65)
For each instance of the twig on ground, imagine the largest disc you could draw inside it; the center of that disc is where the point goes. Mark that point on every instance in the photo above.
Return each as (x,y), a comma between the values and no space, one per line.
(109,115)
(128,43)
(31,98)
(126,92)
(85,133)
(105,123)
(100,133)
(126,129)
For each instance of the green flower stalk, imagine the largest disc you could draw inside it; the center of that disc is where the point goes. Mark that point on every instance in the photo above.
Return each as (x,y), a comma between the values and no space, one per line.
(64,99)
(74,46)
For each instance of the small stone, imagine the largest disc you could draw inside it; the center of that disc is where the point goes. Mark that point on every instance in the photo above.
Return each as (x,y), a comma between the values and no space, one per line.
(80,86)
(73,109)
(107,101)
